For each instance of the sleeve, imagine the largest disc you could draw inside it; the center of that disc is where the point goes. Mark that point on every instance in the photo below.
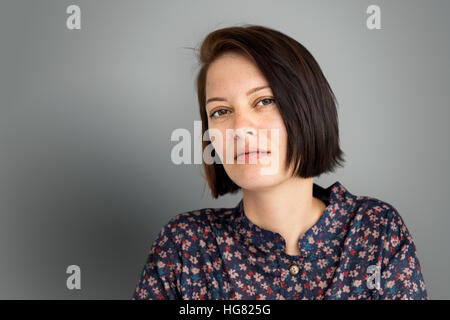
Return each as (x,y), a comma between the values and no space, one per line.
(160,276)
(401,276)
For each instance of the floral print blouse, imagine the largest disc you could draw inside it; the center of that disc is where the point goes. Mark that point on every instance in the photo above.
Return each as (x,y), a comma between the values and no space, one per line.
(360,248)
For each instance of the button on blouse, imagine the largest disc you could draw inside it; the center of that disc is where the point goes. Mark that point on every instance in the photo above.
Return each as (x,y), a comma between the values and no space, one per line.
(294,269)
(218,253)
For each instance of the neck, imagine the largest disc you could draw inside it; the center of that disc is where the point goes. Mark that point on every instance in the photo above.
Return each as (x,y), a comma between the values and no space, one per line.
(288,208)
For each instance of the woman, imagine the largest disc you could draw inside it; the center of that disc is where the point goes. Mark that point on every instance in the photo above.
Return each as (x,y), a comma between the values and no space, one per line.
(288,238)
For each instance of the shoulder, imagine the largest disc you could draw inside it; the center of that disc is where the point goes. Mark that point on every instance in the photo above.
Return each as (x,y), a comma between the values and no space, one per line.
(378,219)
(196,224)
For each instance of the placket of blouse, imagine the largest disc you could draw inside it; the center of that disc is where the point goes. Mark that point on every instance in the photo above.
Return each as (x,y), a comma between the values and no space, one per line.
(291,267)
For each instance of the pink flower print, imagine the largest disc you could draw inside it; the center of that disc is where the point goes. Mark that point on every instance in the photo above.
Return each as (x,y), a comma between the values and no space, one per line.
(319,244)
(353,273)
(227,255)
(328,250)
(219,240)
(390,284)
(151,281)
(233,274)
(143,293)
(394,225)
(186,244)
(251,290)
(217,265)
(395,241)
(407,283)
(322,263)
(408,271)
(258,277)
(193,259)
(322,284)
(229,241)
(227,286)
(411,262)
(182,225)
(280,297)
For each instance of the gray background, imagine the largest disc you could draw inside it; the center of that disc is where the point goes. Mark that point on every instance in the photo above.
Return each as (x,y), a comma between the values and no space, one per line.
(86,117)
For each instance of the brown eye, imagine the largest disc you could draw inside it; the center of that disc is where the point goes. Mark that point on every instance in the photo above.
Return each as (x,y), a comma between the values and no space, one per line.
(212,114)
(266,99)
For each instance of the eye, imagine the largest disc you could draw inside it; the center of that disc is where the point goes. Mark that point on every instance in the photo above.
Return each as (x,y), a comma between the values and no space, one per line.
(212,113)
(266,99)
(271,101)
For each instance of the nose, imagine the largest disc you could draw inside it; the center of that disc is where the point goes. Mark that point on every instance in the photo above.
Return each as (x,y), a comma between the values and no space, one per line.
(243,127)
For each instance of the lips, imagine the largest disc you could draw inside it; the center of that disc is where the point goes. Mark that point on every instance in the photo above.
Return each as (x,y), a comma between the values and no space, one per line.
(253,151)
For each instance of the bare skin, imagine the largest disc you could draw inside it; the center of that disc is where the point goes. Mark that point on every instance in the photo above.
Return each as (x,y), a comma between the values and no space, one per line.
(277,202)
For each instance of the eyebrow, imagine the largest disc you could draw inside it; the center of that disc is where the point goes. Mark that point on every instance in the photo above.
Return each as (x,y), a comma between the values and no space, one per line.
(249,92)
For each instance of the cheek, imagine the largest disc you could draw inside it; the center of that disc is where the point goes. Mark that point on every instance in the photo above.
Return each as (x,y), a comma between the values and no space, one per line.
(217,137)
(278,135)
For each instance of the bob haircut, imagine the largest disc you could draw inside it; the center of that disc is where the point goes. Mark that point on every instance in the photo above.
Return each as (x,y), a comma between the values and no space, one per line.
(302,94)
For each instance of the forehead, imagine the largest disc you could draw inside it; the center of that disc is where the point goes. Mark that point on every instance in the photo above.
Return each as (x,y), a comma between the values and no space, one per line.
(234,73)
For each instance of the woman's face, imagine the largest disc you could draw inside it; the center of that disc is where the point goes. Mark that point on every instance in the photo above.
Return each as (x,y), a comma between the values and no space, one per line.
(244,114)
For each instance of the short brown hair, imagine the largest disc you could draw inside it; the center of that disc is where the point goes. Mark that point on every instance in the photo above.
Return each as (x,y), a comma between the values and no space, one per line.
(304,98)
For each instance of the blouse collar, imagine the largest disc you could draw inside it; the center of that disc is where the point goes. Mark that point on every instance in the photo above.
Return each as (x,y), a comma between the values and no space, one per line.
(313,242)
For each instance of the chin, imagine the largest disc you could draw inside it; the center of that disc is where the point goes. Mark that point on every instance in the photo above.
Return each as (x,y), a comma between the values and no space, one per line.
(251,179)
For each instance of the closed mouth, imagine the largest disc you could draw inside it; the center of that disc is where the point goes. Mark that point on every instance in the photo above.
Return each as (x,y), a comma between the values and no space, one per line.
(261,152)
